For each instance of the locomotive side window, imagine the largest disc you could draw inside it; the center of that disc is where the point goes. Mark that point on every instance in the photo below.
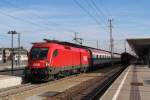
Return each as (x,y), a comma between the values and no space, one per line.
(55,53)
(39,53)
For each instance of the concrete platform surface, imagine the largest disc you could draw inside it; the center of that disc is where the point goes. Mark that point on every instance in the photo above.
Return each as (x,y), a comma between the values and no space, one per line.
(9,81)
(132,84)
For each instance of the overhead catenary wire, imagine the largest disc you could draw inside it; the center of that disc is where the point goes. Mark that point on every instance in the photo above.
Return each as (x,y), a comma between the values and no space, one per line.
(94,10)
(38,16)
(43,25)
(87,12)
(103,9)
(11,4)
(4,36)
(19,7)
(107,11)
(99,10)
(16,6)
(22,20)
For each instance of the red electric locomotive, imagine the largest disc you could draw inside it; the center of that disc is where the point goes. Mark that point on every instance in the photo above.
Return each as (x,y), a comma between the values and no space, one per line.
(52,59)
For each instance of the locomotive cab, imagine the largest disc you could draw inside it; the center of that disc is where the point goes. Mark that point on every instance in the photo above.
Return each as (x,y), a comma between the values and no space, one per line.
(39,63)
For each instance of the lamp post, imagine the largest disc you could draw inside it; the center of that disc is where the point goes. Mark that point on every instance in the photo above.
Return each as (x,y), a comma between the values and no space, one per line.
(12,49)
(19,49)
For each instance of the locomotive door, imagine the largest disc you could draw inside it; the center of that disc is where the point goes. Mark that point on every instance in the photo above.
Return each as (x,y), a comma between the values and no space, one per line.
(80,59)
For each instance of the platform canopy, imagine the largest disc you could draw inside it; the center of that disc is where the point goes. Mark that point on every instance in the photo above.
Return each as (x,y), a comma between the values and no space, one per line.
(141,46)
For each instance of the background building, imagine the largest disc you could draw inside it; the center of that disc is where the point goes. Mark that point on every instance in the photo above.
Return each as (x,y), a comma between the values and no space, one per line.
(6,55)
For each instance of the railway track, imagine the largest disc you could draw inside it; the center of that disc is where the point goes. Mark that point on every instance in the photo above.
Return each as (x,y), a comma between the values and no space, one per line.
(81,91)
(15,69)
(91,89)
(5,93)
(101,88)
(19,72)
(16,90)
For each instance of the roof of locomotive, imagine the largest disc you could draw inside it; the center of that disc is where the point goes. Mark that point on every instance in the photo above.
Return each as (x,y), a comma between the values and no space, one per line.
(70,44)
(73,44)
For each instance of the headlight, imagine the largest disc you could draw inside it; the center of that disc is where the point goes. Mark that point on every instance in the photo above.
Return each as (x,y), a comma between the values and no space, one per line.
(47,64)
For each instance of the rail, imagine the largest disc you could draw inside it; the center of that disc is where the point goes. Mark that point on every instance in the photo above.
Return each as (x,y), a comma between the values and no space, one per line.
(100,90)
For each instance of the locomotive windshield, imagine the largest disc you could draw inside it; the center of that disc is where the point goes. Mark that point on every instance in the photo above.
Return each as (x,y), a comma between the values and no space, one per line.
(39,53)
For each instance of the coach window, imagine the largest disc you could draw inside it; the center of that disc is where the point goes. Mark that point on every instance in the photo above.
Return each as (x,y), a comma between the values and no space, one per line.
(104,56)
(97,57)
(55,53)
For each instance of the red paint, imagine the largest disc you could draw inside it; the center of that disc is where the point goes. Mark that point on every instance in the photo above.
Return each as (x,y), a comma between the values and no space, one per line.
(67,56)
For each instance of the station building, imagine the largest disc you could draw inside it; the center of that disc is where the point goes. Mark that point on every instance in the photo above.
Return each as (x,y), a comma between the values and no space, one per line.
(6,55)
(141,47)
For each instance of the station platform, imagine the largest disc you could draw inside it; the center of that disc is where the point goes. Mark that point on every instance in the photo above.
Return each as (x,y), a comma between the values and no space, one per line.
(9,81)
(132,84)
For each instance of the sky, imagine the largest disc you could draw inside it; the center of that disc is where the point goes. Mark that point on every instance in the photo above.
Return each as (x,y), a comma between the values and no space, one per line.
(60,19)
